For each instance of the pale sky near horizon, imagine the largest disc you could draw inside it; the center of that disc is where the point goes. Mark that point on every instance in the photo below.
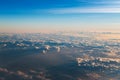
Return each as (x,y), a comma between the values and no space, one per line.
(59,15)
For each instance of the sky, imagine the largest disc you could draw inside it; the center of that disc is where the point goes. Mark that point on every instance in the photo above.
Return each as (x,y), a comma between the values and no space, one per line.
(59,15)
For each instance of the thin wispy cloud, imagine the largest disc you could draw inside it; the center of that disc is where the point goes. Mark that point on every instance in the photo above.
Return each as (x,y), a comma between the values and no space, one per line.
(100,1)
(101,6)
(85,10)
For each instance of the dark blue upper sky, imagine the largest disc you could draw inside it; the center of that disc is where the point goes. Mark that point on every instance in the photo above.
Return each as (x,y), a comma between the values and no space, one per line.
(23,6)
(42,4)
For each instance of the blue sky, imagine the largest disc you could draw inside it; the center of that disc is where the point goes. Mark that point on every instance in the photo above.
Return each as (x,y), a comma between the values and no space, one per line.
(38,15)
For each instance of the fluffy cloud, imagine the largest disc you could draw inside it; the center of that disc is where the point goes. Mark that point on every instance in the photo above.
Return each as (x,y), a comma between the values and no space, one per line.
(3,70)
(22,74)
(93,75)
